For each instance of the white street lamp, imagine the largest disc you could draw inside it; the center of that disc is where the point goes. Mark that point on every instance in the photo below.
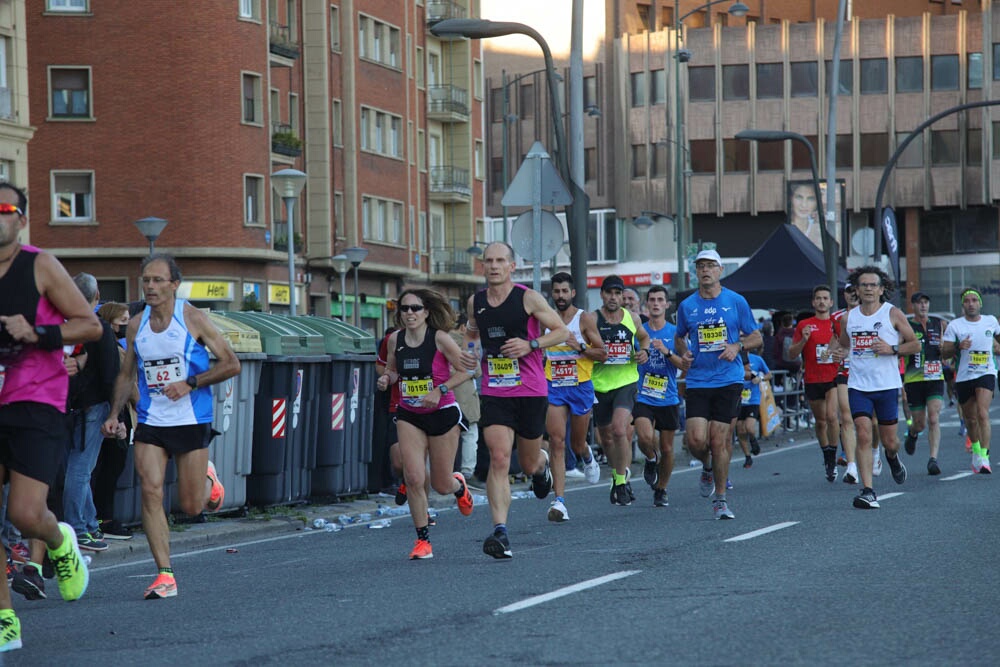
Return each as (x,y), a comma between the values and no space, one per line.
(151,228)
(288,183)
(355,256)
(340,264)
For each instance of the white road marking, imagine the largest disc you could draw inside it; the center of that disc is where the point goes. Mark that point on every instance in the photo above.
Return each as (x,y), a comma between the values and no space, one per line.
(562,592)
(960,475)
(763,531)
(890,495)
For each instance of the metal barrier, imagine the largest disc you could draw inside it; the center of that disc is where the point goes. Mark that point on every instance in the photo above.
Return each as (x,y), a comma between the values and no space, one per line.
(790,395)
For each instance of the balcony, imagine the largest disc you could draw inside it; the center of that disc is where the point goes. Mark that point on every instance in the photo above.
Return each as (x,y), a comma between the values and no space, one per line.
(448,260)
(447,104)
(281,42)
(6,104)
(279,237)
(284,141)
(450,184)
(439,10)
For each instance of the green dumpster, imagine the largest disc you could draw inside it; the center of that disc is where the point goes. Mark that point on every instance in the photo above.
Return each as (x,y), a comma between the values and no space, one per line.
(285,409)
(347,399)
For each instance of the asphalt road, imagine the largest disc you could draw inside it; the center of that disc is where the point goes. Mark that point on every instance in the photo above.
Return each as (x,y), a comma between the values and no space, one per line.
(800,577)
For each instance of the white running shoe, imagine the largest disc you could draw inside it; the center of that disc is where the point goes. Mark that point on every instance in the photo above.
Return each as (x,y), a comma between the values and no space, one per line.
(877,462)
(574,474)
(851,476)
(592,470)
(984,465)
(557,512)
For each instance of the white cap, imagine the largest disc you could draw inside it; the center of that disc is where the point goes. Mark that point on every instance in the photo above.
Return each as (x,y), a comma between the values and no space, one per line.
(709,254)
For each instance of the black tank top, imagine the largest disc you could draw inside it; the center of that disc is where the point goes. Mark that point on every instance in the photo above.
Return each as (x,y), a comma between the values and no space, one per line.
(416,363)
(18,296)
(498,323)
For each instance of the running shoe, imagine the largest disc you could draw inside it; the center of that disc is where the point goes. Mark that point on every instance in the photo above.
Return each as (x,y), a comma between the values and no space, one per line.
(707,483)
(897,468)
(628,485)
(841,459)
(729,484)
(910,444)
(968,444)
(70,568)
(660,498)
(401,494)
(651,472)
(573,473)
(29,583)
(11,571)
(541,482)
(932,467)
(10,631)
(721,509)
(592,470)
(19,553)
(620,495)
(114,530)
(557,512)
(164,586)
(464,500)
(754,446)
(984,464)
(877,462)
(431,521)
(218,492)
(88,542)
(962,430)
(831,471)
(748,462)
(421,550)
(866,500)
(851,474)
(497,545)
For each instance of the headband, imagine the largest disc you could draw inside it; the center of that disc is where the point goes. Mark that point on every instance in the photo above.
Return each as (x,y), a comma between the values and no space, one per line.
(973,291)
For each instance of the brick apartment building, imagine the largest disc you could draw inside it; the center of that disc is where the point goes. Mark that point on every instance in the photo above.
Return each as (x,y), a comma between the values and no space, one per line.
(902,61)
(155,109)
(15,130)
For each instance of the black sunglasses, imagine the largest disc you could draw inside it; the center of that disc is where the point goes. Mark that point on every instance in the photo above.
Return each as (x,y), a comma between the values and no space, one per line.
(413,308)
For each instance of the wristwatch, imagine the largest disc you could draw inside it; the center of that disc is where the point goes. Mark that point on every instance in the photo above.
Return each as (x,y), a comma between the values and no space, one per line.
(533,343)
(895,349)
(443,388)
(192,381)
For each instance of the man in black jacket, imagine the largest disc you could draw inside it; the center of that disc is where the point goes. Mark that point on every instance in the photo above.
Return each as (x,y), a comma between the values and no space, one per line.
(90,392)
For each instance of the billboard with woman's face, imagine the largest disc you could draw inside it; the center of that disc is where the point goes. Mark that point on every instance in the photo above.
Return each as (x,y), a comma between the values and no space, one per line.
(803,213)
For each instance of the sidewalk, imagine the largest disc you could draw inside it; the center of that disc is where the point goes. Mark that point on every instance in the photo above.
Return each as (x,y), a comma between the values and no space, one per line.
(221,531)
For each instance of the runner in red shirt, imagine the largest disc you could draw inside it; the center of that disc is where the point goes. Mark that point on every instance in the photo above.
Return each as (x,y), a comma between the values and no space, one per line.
(812,340)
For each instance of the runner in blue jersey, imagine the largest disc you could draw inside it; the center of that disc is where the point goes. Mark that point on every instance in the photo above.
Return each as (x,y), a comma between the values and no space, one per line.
(748,420)
(719,324)
(657,399)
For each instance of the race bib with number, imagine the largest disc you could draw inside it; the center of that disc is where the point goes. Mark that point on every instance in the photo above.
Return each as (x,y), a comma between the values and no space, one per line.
(712,337)
(503,372)
(413,390)
(979,362)
(862,342)
(161,372)
(564,373)
(745,396)
(654,386)
(823,355)
(932,370)
(618,353)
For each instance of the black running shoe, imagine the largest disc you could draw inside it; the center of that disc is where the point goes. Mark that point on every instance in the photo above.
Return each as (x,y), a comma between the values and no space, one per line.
(541,482)
(401,495)
(620,495)
(754,446)
(650,473)
(29,583)
(748,463)
(660,498)
(866,500)
(831,471)
(497,545)
(910,444)
(932,466)
(897,468)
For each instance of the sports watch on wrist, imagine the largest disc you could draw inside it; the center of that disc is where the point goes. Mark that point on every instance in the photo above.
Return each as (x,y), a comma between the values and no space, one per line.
(533,343)
(443,388)
(192,381)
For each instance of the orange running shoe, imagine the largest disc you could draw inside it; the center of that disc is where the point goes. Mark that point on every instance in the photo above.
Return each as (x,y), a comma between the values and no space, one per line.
(165,586)
(968,445)
(218,493)
(464,500)
(401,494)
(421,550)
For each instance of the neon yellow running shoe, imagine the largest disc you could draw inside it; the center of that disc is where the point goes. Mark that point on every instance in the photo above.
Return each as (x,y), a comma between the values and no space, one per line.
(71,569)
(10,632)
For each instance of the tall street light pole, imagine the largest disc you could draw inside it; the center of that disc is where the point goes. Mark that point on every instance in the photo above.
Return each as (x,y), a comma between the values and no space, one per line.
(578,211)
(829,250)
(151,228)
(288,183)
(355,256)
(737,9)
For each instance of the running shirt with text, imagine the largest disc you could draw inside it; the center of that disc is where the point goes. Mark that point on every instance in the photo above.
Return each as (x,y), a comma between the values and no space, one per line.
(172,355)
(751,390)
(564,366)
(817,360)
(658,377)
(926,365)
(619,340)
(503,376)
(420,369)
(871,371)
(977,361)
(710,324)
(28,373)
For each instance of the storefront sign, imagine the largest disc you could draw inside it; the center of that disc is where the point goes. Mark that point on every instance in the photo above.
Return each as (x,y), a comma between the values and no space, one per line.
(634,279)
(206,290)
(278,294)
